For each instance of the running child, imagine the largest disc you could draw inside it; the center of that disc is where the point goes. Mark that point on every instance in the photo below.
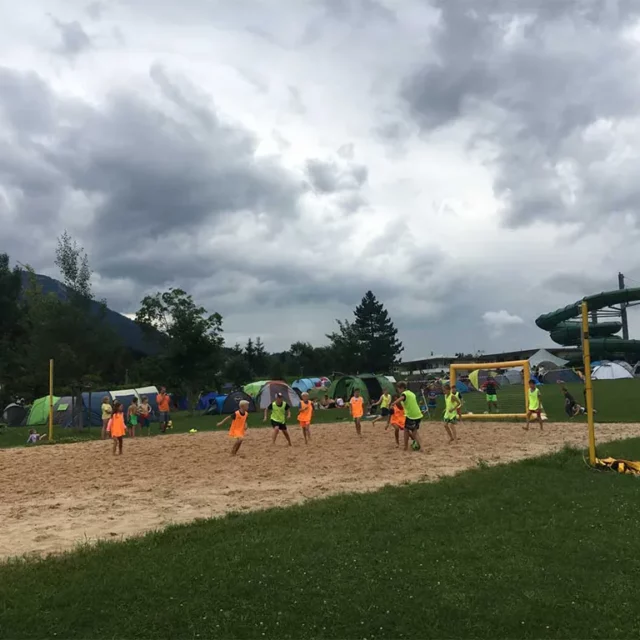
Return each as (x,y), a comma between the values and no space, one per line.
(456,393)
(304,416)
(132,417)
(396,419)
(107,412)
(238,425)
(451,415)
(144,411)
(280,411)
(117,427)
(384,402)
(490,388)
(356,407)
(535,405)
(412,414)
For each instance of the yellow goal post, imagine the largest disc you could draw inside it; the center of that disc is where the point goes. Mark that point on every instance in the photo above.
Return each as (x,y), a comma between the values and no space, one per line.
(456,368)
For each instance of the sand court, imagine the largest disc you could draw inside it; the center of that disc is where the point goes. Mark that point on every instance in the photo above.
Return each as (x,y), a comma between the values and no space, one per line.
(53,498)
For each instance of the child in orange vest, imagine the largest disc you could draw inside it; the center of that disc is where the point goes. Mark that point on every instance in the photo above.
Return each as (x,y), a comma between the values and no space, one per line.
(238,425)
(397,419)
(117,427)
(304,416)
(356,406)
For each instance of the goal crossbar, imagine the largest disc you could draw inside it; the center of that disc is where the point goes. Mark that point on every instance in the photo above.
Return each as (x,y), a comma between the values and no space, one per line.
(474,366)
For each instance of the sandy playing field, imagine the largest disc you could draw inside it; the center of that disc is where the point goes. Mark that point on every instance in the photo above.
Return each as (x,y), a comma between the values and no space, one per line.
(54,497)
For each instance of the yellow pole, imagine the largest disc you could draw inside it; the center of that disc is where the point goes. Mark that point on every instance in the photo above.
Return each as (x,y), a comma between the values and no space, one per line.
(50,400)
(526,374)
(586,356)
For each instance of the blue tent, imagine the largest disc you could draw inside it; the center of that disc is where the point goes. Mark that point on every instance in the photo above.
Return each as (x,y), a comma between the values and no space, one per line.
(72,411)
(461,387)
(304,384)
(206,400)
(93,400)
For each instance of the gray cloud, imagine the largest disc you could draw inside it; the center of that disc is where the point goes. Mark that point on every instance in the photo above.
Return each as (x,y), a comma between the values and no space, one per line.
(531,78)
(73,38)
(327,176)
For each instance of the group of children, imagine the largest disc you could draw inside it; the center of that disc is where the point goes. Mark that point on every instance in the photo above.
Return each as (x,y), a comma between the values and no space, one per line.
(116,425)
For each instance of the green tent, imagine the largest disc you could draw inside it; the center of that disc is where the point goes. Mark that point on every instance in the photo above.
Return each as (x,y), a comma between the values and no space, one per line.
(253,388)
(371,386)
(39,412)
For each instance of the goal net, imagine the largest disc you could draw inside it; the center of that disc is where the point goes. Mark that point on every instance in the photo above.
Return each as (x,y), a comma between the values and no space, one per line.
(491,390)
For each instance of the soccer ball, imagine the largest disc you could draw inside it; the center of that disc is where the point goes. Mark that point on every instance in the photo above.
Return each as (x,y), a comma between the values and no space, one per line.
(415,446)
(469,413)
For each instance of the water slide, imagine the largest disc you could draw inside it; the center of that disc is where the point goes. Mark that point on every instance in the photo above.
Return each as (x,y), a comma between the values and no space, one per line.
(564,325)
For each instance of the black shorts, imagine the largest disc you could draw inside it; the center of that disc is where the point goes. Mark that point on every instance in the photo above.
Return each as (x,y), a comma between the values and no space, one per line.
(279,425)
(411,425)
(384,412)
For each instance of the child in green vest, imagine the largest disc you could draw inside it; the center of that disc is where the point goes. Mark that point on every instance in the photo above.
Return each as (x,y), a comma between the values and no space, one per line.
(280,411)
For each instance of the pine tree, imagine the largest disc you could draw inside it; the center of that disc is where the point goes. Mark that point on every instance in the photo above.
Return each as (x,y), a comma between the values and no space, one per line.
(376,335)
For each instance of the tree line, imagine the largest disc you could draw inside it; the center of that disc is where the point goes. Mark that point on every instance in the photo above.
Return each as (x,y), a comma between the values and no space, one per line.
(190,354)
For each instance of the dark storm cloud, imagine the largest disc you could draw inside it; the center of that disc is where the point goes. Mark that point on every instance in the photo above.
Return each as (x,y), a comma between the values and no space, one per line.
(537,77)
(148,170)
(73,38)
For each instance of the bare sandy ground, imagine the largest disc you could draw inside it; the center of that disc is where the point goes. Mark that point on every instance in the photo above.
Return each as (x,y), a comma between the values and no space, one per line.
(53,498)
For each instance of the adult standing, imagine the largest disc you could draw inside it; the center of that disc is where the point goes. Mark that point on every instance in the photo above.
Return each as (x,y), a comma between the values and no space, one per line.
(163,401)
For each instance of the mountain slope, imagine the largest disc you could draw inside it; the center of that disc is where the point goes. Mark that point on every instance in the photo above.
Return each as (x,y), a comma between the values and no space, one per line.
(129,332)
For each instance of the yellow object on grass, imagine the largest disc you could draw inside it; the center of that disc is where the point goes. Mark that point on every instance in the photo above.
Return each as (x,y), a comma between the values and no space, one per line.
(621,466)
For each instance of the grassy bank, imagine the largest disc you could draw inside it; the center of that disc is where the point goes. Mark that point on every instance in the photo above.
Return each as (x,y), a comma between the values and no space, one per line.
(544,548)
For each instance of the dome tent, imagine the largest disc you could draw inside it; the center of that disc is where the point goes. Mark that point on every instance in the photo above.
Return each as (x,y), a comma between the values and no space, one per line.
(14,415)
(304,384)
(370,385)
(269,391)
(609,371)
(230,403)
(253,388)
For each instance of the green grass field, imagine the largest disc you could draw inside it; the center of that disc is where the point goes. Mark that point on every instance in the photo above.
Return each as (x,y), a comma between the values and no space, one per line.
(544,548)
(614,401)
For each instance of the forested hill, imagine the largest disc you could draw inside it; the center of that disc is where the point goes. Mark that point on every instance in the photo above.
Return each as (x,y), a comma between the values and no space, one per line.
(128,331)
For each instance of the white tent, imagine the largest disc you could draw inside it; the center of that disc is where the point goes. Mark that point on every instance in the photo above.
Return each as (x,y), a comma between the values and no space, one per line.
(609,371)
(542,355)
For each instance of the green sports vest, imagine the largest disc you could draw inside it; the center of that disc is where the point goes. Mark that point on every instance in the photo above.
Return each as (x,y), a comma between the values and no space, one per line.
(534,399)
(450,405)
(385,401)
(411,408)
(277,412)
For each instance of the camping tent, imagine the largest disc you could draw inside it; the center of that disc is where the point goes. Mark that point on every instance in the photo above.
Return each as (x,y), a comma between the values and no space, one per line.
(124,396)
(268,394)
(14,415)
(610,371)
(560,375)
(253,388)
(232,402)
(94,399)
(72,411)
(304,384)
(39,412)
(543,356)
(207,400)
(371,386)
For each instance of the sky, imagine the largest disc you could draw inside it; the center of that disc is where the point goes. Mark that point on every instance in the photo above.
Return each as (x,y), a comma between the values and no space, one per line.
(474,163)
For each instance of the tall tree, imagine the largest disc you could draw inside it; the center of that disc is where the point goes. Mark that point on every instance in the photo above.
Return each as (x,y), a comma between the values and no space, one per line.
(261,358)
(370,342)
(345,348)
(377,336)
(12,328)
(192,356)
(73,263)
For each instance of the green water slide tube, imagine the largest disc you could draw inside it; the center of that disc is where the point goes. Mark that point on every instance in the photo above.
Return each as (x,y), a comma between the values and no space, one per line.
(566,330)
